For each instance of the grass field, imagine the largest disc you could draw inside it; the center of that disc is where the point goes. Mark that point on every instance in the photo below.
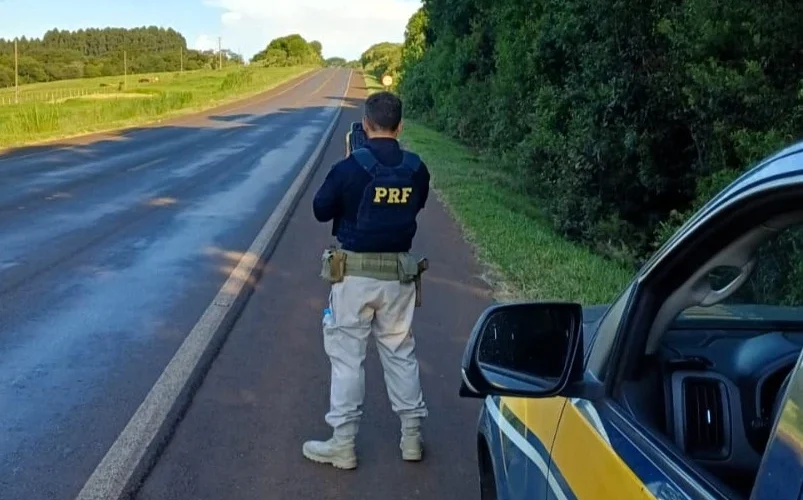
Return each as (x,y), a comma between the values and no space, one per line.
(175,93)
(110,81)
(510,236)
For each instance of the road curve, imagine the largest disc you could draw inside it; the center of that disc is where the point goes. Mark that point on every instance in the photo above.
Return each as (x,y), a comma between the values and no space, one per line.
(110,251)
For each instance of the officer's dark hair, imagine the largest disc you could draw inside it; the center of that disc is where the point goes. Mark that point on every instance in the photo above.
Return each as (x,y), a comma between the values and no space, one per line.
(383,111)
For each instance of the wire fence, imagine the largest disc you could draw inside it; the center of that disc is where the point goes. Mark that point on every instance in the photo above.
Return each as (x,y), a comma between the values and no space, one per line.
(52,96)
(61,94)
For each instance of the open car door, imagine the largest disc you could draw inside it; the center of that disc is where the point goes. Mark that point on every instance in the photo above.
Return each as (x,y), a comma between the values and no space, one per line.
(781,474)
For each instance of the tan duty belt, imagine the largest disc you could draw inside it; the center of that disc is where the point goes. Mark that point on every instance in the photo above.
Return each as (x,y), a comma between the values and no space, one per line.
(392,266)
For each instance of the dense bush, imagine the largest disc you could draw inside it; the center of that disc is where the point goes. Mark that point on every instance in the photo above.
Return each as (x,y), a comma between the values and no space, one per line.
(619,117)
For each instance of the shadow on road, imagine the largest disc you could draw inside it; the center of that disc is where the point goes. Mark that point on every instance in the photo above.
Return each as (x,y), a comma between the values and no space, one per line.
(347,101)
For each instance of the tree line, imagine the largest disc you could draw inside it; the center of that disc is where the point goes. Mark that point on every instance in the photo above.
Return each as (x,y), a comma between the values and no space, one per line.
(290,50)
(620,118)
(89,53)
(94,52)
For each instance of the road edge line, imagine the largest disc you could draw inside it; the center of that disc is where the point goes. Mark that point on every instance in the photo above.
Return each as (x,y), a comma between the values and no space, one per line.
(136,449)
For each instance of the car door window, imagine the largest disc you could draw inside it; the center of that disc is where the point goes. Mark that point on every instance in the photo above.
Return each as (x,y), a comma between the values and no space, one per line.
(776,282)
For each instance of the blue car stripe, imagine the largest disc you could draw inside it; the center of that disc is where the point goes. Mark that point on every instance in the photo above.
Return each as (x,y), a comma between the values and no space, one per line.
(532,448)
(654,479)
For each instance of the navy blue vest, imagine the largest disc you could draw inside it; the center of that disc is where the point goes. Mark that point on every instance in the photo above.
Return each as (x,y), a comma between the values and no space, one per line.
(390,201)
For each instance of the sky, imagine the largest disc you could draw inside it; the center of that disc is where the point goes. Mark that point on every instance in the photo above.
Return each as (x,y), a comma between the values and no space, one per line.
(345,28)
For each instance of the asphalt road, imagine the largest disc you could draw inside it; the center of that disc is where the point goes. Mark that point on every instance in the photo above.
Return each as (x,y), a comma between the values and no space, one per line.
(111,248)
(267,390)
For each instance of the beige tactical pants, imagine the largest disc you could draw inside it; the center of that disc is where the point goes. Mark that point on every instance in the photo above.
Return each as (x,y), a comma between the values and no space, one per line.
(361,306)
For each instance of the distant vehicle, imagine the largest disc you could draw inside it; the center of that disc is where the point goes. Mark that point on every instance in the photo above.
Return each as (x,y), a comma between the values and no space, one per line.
(355,138)
(682,388)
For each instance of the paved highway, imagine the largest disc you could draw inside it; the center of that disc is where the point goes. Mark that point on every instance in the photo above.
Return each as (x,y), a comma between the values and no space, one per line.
(110,251)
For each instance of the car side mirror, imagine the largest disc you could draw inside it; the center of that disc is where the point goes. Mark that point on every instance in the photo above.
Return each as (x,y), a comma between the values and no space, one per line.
(526,350)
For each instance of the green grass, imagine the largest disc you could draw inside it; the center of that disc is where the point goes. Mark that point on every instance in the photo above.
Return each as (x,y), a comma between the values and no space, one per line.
(372,84)
(174,94)
(510,236)
(105,82)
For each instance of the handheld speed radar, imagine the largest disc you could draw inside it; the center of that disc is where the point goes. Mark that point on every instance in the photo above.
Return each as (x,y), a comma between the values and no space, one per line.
(355,138)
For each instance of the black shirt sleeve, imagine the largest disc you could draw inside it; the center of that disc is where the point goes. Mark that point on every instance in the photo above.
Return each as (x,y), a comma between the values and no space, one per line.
(423,179)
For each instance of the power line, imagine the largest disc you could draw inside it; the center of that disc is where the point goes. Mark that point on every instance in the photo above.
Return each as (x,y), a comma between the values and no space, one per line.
(16,74)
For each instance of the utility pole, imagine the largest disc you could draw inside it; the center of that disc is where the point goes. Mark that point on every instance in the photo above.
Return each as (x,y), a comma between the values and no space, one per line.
(125,69)
(181,58)
(16,74)
(219,54)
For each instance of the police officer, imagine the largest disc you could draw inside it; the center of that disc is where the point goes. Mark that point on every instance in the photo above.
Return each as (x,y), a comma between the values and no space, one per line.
(373,197)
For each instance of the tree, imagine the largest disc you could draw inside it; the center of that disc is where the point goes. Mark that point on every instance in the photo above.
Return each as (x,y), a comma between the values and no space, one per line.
(290,50)
(415,38)
(336,62)
(31,70)
(614,115)
(6,76)
(317,47)
(383,59)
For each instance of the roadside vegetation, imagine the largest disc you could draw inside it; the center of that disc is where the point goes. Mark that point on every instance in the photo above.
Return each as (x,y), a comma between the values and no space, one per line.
(613,123)
(383,59)
(173,94)
(528,259)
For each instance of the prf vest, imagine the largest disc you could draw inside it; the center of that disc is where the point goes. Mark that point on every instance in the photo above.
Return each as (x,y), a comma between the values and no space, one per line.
(389,202)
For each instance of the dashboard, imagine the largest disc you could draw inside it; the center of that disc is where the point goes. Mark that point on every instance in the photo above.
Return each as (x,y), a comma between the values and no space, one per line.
(720,391)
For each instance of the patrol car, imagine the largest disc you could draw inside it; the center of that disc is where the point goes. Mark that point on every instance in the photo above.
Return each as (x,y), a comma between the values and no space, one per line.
(688,386)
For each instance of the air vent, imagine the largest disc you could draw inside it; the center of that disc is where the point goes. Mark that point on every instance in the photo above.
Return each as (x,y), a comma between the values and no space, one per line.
(703,403)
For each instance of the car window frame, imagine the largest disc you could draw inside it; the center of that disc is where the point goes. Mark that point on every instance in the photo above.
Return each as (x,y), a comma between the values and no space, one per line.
(604,339)
(629,345)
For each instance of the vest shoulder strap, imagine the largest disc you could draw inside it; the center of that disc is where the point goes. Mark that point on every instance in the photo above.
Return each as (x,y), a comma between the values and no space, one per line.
(365,158)
(411,160)
(368,161)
